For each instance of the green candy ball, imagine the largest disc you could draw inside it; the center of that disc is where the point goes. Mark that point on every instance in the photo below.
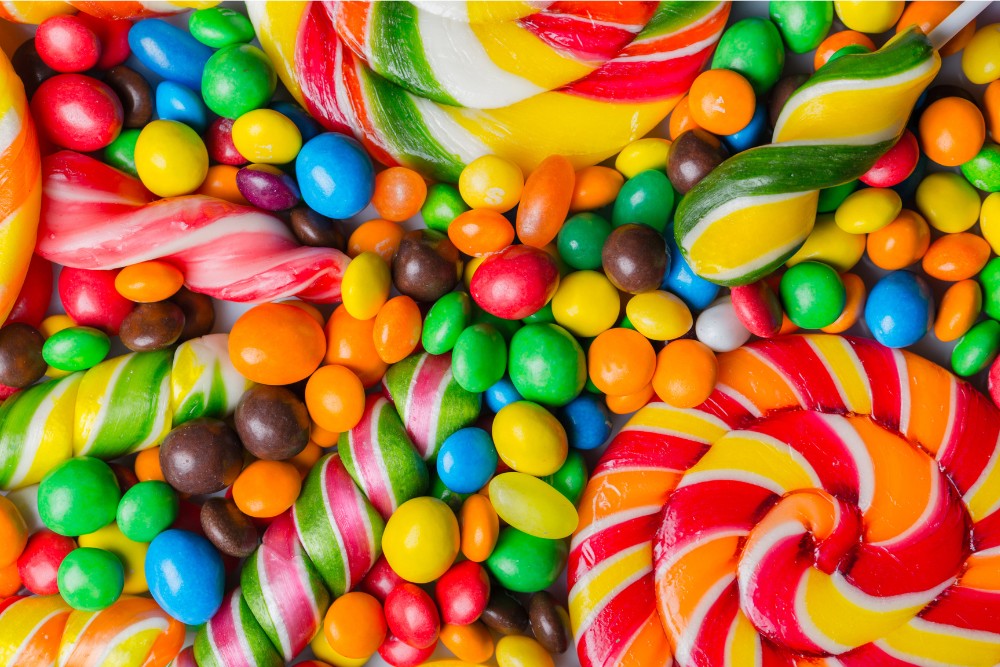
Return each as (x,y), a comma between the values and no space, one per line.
(646,199)
(441,491)
(146,510)
(443,204)
(830,199)
(218,27)
(525,563)
(120,153)
(479,359)
(541,316)
(581,239)
(237,79)
(977,349)
(813,295)
(78,496)
(76,348)
(571,478)
(990,279)
(445,322)
(983,171)
(803,23)
(753,48)
(507,328)
(547,364)
(90,579)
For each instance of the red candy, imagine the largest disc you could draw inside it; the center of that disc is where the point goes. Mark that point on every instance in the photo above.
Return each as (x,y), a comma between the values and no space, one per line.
(896,165)
(219,142)
(994,382)
(515,282)
(6,392)
(381,579)
(77,112)
(398,653)
(113,34)
(90,298)
(758,308)
(67,44)
(463,592)
(412,617)
(38,564)
(36,293)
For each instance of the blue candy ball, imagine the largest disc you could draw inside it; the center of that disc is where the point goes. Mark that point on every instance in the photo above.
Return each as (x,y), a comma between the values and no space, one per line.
(501,394)
(168,51)
(900,309)
(752,135)
(467,460)
(175,101)
(185,576)
(335,175)
(587,422)
(680,279)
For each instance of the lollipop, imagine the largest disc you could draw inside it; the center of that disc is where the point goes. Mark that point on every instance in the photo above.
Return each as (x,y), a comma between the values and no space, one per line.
(36,11)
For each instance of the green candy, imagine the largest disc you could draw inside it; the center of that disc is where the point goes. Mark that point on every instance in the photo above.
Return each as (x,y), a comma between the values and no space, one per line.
(571,479)
(990,278)
(983,171)
(443,204)
(646,199)
(753,48)
(76,348)
(120,153)
(479,359)
(582,237)
(440,491)
(977,349)
(90,579)
(849,50)
(218,27)
(237,79)
(146,510)
(525,563)
(541,316)
(78,496)
(803,23)
(547,364)
(507,328)
(445,322)
(813,295)
(830,199)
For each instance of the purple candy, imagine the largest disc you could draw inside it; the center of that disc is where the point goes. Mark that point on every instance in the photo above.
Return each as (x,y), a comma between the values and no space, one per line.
(267,187)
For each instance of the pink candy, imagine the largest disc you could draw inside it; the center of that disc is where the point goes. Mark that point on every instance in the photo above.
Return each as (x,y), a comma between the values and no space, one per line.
(515,282)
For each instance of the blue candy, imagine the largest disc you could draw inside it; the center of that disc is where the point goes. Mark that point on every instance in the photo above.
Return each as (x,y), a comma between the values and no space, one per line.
(751,135)
(169,51)
(178,102)
(335,175)
(900,309)
(185,576)
(467,460)
(308,127)
(691,288)
(586,420)
(501,394)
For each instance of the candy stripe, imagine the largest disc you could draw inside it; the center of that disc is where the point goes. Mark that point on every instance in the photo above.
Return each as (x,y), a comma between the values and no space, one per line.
(30,630)
(234,638)
(132,631)
(203,380)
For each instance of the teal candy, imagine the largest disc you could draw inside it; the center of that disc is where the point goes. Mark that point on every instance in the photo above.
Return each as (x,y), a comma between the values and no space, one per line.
(237,79)
(547,364)
(803,23)
(120,153)
(581,239)
(90,579)
(218,27)
(525,563)
(445,322)
(571,478)
(146,510)
(983,171)
(78,497)
(977,349)
(646,199)
(76,348)
(479,359)
(830,199)
(753,48)
(443,204)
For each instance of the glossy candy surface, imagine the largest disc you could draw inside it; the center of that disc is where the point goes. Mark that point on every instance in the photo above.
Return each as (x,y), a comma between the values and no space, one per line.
(185,576)
(532,506)
(421,540)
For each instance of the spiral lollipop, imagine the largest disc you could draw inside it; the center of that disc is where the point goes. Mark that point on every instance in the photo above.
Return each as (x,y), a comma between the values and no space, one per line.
(36,11)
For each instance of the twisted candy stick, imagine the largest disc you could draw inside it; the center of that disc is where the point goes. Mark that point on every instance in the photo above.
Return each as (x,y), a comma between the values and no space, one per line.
(95,217)
(833,503)
(36,11)
(754,211)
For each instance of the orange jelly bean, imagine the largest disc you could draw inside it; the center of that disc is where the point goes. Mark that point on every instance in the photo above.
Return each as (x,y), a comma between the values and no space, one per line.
(355,625)
(220,182)
(10,580)
(959,309)
(900,243)
(381,237)
(351,343)
(13,532)
(276,344)
(480,232)
(266,488)
(471,643)
(307,458)
(621,362)
(991,107)
(952,131)
(322,437)
(927,14)
(545,201)
(335,398)
(308,308)
(480,527)
(147,466)
(685,373)
(397,329)
(681,120)
(838,40)
(399,193)
(595,187)
(854,305)
(955,257)
(787,326)
(628,403)
(722,101)
(148,282)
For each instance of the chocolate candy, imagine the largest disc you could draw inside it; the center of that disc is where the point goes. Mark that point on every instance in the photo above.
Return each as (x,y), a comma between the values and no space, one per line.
(30,67)
(21,361)
(780,94)
(230,530)
(273,424)
(635,258)
(152,326)
(426,266)
(199,313)
(313,229)
(505,614)
(201,456)
(135,95)
(692,156)
(546,623)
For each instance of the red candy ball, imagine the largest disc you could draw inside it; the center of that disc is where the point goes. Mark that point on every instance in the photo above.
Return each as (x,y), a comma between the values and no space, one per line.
(398,653)
(38,564)
(515,282)
(219,142)
(36,292)
(380,580)
(77,112)
(462,592)
(412,617)
(90,298)
(994,382)
(6,392)
(758,308)
(896,165)
(113,34)
(67,44)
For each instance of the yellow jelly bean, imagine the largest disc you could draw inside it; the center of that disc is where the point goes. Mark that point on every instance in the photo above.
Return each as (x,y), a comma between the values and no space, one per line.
(365,286)
(421,539)
(131,554)
(981,57)
(831,245)
(586,303)
(267,136)
(869,16)
(989,222)
(470,269)
(491,182)
(517,651)
(321,648)
(948,202)
(659,315)
(958,311)
(643,154)
(170,158)
(53,324)
(532,506)
(529,438)
(868,210)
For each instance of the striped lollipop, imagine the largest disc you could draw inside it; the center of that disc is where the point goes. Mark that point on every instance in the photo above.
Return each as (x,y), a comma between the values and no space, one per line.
(234,637)
(36,11)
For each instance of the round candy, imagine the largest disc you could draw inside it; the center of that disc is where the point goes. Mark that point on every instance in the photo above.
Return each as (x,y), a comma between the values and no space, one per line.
(146,510)
(265,135)
(170,158)
(649,153)
(412,617)
(148,282)
(758,308)
(722,100)
(752,48)
(989,221)
(152,326)
(586,422)
(443,204)
(515,651)
(265,489)
(500,394)
(983,171)
(646,199)
(870,17)
(481,232)
(948,202)
(397,329)
(635,258)
(36,293)
(185,576)
(169,51)
(532,506)
(272,422)
(990,278)
(77,112)
(720,328)
(351,344)
(981,56)
(899,310)
(421,539)
(398,653)
(546,364)
(335,175)
(201,456)
(467,460)
(529,439)
(267,187)
(199,313)
(958,310)
(472,643)
(685,373)
(365,285)
(445,322)
(571,478)
(804,25)
(868,210)
(621,361)
(525,563)
(399,193)
(237,79)
(952,130)
(899,244)
(813,295)
(427,265)
(276,344)
(586,303)
(67,44)
(90,579)
(219,143)
(78,496)
(659,315)
(38,564)
(136,98)
(22,355)
(491,182)
(693,155)
(355,625)
(335,398)
(231,531)
(581,239)
(596,187)
(131,554)
(896,165)
(504,613)
(955,257)
(977,349)
(515,282)
(219,26)
(379,236)
(548,622)
(462,593)
(178,102)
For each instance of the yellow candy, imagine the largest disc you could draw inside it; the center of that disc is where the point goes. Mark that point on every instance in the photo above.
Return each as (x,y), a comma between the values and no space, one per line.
(517,651)
(831,245)
(365,286)
(948,202)
(170,158)
(421,539)
(981,57)
(868,210)
(470,269)
(586,303)
(53,324)
(989,221)
(131,554)
(869,16)
(492,183)
(649,153)
(267,136)
(322,649)
(532,506)
(659,315)
(529,438)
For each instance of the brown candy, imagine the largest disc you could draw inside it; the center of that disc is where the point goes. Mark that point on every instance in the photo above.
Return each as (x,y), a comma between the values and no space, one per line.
(427,265)
(230,530)
(134,92)
(199,313)
(314,229)
(505,614)
(547,623)
(21,362)
(201,456)
(30,67)
(634,258)
(780,94)
(152,326)
(692,156)
(273,424)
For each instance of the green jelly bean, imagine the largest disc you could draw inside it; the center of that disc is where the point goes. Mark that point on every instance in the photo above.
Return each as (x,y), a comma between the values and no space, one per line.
(507,328)
(541,316)
(525,563)
(479,359)
(849,50)
(977,349)
(571,479)
(443,204)
(120,153)
(218,27)
(146,510)
(547,364)
(813,295)
(90,579)
(753,48)
(581,239)
(983,171)
(78,496)
(441,491)
(647,199)
(445,322)
(237,79)
(591,387)
(830,199)
(990,278)
(76,348)
(803,23)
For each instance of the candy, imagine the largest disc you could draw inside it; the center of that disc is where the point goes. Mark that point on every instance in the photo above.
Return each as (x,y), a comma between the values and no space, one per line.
(201,456)
(479,358)
(79,496)
(693,156)
(659,315)
(355,625)
(752,48)
(366,285)
(813,295)
(467,460)
(722,100)
(571,478)
(646,198)
(983,171)
(227,528)
(595,187)
(480,232)
(398,653)
(149,282)
(218,27)
(444,203)
(952,131)
(956,257)
(977,349)
(427,265)
(515,282)
(421,540)
(130,554)
(66,44)
(524,563)
(38,564)
(152,326)
(480,528)
(135,96)
(22,355)
(203,380)
(36,293)
(185,576)
(335,175)
(13,532)
(979,58)
(267,187)
(532,506)
(504,613)
(899,244)
(90,579)
(899,310)
(412,617)
(313,229)
(179,103)
(276,344)
(399,193)
(752,134)
(56,106)
(90,299)
(586,303)
(680,280)
(958,310)
(580,240)
(493,183)
(471,643)
(146,510)
(547,622)
(547,364)
(265,489)
(233,634)
(545,201)
(720,328)
(621,361)
(868,210)
(896,165)
(272,422)
(170,52)
(874,17)
(586,422)
(635,258)
(462,593)
(529,438)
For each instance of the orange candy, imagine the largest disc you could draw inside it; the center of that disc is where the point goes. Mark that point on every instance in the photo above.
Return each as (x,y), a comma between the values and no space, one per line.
(991,105)
(266,488)
(838,40)
(335,398)
(958,311)
(629,403)
(595,187)
(480,527)
(13,532)
(685,373)
(147,466)
(681,120)
(900,243)
(955,257)
(381,237)
(621,362)
(220,182)
(322,437)
(854,306)
(148,282)
(10,580)
(355,625)
(306,459)
(471,643)
(351,343)
(722,101)
(545,201)
(399,193)
(308,308)
(480,232)
(927,14)
(952,131)
(276,343)
(397,329)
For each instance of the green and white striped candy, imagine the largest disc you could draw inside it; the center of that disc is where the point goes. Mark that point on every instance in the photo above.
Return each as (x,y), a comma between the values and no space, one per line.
(203,380)
(234,637)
